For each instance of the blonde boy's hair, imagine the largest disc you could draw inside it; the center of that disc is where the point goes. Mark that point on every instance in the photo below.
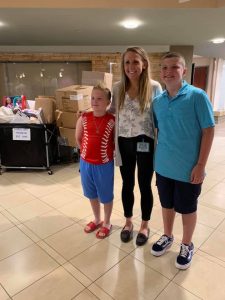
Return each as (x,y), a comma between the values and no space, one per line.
(174,55)
(102,87)
(145,87)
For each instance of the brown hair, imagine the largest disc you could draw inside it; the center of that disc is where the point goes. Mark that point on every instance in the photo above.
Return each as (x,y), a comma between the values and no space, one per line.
(145,87)
(102,87)
(174,55)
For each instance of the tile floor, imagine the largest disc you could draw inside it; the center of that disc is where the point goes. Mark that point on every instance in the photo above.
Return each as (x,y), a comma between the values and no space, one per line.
(45,255)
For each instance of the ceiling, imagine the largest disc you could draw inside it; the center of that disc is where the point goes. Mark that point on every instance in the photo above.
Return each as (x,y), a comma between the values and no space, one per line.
(54,25)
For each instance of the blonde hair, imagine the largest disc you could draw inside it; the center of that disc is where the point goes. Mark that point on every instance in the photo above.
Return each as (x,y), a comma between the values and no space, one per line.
(145,87)
(102,87)
(174,55)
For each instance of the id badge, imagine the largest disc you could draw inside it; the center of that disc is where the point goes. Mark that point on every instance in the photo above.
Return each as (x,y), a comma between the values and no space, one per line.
(142,147)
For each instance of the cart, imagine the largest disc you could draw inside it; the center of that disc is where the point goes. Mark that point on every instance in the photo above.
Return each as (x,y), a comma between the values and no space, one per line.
(27,146)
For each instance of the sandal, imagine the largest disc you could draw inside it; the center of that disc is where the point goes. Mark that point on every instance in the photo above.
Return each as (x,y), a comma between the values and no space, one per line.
(103,232)
(90,227)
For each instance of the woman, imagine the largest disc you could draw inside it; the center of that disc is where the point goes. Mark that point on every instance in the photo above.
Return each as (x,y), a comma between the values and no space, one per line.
(132,98)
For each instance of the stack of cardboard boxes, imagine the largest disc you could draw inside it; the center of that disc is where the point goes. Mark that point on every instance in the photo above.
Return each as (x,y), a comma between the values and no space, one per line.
(74,99)
(47,104)
(71,101)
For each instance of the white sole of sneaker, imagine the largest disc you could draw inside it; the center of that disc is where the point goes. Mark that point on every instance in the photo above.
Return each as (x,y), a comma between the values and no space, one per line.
(159,253)
(182,267)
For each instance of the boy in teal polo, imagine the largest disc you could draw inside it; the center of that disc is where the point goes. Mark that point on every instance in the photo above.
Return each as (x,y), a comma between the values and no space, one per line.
(185,128)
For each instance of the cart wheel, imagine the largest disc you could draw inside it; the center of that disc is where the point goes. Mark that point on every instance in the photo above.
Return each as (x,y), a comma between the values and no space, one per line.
(50,172)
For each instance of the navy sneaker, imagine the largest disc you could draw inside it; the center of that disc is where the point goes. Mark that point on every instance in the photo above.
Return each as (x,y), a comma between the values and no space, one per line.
(163,244)
(185,256)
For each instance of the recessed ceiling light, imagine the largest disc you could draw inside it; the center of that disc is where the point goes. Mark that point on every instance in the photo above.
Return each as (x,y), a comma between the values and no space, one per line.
(2,24)
(131,24)
(218,41)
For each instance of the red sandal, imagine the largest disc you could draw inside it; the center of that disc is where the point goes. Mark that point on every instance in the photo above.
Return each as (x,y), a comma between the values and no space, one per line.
(103,232)
(92,227)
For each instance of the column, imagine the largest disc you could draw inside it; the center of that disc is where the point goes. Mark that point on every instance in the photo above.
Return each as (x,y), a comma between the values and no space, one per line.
(187,52)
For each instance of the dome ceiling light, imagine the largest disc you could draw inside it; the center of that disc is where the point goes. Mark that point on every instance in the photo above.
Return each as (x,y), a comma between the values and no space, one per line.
(218,41)
(131,23)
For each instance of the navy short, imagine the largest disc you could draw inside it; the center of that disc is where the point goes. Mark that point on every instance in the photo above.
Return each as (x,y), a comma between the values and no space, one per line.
(179,195)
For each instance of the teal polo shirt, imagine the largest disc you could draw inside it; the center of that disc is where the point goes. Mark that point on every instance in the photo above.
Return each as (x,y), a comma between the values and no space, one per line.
(180,121)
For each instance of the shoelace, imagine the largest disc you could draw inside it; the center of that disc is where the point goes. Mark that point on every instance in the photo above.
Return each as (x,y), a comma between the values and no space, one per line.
(184,250)
(163,239)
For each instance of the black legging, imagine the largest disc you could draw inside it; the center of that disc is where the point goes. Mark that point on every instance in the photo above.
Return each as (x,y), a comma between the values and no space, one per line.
(144,160)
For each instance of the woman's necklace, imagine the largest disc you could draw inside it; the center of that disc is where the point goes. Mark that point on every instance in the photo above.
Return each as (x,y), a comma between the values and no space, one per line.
(98,127)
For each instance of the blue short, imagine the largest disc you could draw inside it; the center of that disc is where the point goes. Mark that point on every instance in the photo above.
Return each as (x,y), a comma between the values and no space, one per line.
(182,196)
(97,180)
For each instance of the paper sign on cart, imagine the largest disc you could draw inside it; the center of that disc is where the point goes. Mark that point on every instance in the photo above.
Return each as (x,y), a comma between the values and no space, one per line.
(21,134)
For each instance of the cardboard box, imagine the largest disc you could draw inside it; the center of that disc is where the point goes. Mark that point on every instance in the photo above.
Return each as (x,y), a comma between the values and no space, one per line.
(69,135)
(75,93)
(93,78)
(48,106)
(67,119)
(75,105)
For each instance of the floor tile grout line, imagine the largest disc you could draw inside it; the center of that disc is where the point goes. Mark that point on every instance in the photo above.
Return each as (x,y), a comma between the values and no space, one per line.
(214,259)
(36,281)
(5,290)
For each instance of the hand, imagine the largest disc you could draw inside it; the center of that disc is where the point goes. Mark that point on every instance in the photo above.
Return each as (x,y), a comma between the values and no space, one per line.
(197,174)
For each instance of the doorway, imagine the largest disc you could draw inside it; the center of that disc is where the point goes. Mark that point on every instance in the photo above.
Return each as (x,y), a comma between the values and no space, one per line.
(200,77)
